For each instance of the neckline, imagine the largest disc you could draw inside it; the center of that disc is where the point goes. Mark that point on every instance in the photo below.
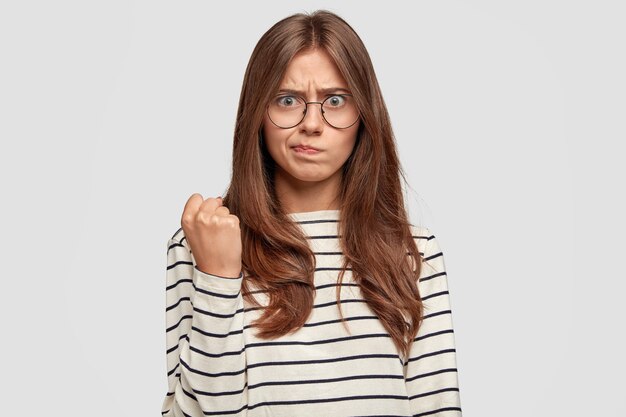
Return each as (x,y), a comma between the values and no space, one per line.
(315,215)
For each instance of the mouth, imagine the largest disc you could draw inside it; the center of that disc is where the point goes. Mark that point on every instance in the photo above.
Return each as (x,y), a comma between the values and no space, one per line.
(305,148)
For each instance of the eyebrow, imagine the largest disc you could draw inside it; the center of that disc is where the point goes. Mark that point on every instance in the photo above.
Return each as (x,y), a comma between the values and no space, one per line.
(321,90)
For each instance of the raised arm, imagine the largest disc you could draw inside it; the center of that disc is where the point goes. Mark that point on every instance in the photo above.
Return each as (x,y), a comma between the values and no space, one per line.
(206,358)
(431,370)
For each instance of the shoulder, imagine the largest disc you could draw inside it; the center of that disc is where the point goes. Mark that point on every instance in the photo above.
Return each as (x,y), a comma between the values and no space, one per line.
(422,235)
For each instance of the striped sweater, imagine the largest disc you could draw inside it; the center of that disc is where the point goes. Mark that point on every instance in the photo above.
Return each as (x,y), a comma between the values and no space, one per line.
(217,367)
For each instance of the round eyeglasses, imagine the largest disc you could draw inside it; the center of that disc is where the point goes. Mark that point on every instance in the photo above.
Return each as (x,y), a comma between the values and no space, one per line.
(338,110)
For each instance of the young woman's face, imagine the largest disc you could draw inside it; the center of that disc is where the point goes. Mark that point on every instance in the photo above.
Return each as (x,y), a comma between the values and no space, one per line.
(309,72)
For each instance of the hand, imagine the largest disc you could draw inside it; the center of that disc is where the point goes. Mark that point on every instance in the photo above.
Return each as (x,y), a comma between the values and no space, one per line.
(213,235)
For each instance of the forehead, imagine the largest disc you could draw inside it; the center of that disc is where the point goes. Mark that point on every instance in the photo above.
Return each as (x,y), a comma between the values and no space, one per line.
(312,71)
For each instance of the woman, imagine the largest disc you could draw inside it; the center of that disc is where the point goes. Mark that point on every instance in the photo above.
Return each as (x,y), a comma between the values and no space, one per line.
(312,231)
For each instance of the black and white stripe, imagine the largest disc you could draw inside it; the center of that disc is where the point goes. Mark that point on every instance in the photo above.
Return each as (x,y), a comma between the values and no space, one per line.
(216,366)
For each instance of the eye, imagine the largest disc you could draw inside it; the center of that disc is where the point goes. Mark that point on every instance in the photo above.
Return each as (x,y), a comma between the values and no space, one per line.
(336,100)
(287,101)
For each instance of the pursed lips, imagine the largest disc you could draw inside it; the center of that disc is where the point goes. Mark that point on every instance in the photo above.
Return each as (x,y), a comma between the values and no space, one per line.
(304,147)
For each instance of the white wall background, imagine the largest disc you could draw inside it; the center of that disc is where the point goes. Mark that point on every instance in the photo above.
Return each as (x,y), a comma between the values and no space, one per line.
(509,117)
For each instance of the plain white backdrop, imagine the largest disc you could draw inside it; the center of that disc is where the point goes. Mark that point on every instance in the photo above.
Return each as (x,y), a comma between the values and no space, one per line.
(509,118)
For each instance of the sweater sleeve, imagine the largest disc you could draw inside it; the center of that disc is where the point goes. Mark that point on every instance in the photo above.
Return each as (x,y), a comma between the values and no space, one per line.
(206,358)
(431,368)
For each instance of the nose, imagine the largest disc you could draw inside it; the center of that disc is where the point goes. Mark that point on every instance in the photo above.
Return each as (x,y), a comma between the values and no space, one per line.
(313,120)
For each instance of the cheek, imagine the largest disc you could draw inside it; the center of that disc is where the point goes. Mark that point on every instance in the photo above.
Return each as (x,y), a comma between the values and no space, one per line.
(348,144)
(274,141)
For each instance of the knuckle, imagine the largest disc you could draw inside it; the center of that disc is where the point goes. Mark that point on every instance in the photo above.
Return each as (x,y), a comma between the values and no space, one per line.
(187,218)
(203,218)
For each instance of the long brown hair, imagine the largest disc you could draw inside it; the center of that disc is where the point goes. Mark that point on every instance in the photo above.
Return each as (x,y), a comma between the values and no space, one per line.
(276,256)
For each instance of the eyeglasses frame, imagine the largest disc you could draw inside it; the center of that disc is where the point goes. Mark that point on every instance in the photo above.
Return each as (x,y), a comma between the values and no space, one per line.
(306,109)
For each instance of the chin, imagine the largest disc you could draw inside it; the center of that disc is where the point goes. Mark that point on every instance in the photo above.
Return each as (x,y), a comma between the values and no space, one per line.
(308,177)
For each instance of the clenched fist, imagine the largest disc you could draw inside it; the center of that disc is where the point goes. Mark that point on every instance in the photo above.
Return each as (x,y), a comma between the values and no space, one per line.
(214,236)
